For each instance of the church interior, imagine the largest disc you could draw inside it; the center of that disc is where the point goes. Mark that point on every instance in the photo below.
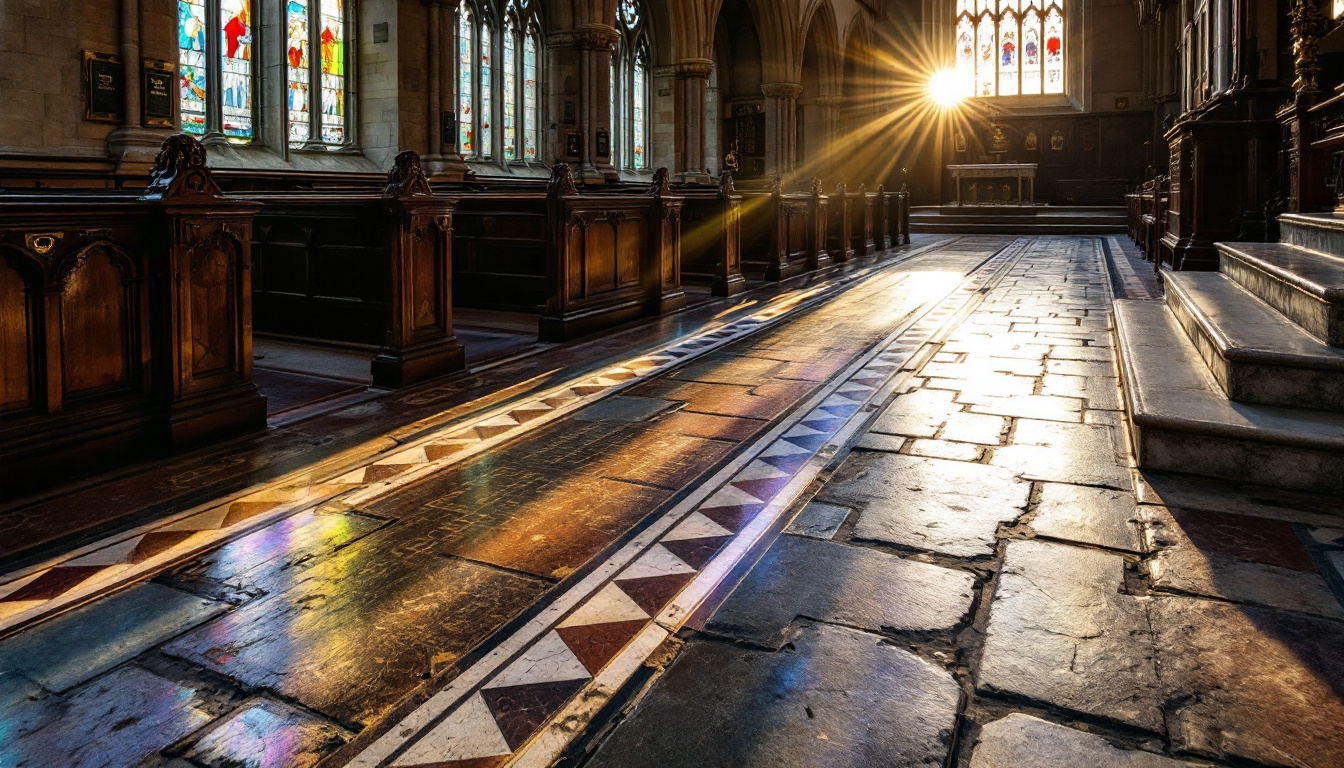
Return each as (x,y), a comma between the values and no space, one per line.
(677,383)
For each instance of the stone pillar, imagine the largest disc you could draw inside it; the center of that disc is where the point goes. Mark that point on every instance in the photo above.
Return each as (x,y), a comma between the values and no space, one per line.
(780,106)
(443,161)
(586,52)
(830,126)
(692,121)
(133,145)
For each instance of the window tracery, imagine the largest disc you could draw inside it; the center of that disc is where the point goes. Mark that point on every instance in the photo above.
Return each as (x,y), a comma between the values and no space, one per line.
(1014,48)
(630,89)
(498,98)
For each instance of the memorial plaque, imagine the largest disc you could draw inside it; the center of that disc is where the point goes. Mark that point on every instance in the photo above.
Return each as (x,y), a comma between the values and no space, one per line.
(156,96)
(104,87)
(448,127)
(603,145)
(573,145)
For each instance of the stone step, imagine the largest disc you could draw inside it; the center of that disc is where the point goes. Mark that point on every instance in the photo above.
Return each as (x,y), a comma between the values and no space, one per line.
(940,228)
(1182,421)
(1322,232)
(1256,354)
(1305,285)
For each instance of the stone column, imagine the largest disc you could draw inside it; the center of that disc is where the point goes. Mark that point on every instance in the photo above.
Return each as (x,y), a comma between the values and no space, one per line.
(133,145)
(443,161)
(780,105)
(830,126)
(692,119)
(586,52)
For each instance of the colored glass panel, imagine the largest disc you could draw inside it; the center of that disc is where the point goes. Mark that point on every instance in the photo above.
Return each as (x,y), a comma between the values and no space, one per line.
(466,118)
(508,51)
(1054,51)
(332,40)
(235,18)
(531,107)
(487,92)
(966,56)
(639,129)
(984,65)
(1031,53)
(630,14)
(191,30)
(1008,54)
(296,67)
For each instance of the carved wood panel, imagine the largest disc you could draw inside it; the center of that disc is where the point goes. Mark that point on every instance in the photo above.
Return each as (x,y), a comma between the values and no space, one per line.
(16,341)
(213,306)
(95,339)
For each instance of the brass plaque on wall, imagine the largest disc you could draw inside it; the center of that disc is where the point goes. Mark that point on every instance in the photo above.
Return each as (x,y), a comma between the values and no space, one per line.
(156,96)
(104,87)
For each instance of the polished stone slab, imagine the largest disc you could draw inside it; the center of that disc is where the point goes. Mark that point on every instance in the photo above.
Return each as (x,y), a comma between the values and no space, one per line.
(1062,633)
(88,641)
(1079,454)
(950,507)
(1250,684)
(836,698)
(840,584)
(267,734)
(1098,516)
(1022,741)
(819,520)
(361,629)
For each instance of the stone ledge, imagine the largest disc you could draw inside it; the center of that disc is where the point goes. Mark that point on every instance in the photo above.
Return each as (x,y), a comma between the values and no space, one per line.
(1256,354)
(1183,422)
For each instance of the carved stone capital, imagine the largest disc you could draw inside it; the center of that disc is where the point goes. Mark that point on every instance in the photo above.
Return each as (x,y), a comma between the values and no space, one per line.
(594,37)
(782,90)
(690,69)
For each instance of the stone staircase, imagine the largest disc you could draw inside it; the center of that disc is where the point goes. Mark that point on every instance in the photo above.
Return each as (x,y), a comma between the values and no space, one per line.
(1240,374)
(1019,220)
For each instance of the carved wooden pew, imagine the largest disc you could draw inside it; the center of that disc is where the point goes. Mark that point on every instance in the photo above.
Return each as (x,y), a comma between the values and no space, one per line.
(711,238)
(840,240)
(585,260)
(126,322)
(862,209)
(362,268)
(783,234)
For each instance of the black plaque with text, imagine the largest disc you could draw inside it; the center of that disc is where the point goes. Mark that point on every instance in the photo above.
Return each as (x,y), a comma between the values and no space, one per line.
(156,98)
(573,145)
(603,145)
(104,87)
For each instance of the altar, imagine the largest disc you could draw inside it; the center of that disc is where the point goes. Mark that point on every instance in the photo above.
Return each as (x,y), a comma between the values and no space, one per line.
(994,183)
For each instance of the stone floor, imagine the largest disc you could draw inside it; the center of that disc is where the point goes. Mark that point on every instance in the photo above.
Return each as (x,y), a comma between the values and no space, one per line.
(887,517)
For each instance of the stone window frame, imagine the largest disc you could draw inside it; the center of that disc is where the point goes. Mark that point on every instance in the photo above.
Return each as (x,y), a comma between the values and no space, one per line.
(488,15)
(631,58)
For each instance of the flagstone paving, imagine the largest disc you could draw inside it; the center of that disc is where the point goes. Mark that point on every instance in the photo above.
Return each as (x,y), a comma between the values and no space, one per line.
(797,549)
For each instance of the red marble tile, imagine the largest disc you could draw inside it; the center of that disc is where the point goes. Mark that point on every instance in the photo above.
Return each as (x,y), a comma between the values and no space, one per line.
(157,542)
(521,710)
(697,552)
(53,583)
(596,644)
(652,593)
(1248,538)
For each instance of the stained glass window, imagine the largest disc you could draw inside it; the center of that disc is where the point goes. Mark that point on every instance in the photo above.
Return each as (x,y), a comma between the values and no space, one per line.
(332,39)
(531,107)
(630,89)
(1016,48)
(191,31)
(508,51)
(297,69)
(466,57)
(235,52)
(498,71)
(485,139)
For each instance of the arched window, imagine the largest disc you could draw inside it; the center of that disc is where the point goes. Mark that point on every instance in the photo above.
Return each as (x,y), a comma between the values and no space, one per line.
(214,40)
(317,117)
(1014,49)
(500,91)
(630,89)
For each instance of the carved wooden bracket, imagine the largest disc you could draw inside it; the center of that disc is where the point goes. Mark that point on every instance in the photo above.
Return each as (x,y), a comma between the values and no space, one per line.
(407,178)
(180,171)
